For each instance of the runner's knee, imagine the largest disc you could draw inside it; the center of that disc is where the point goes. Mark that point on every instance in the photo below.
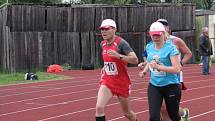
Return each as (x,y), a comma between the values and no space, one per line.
(163,109)
(99,109)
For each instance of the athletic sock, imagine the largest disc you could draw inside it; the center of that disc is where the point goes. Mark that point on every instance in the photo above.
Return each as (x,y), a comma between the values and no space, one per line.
(101,118)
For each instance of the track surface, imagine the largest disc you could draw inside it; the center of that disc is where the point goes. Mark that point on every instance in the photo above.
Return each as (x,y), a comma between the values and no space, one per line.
(74,99)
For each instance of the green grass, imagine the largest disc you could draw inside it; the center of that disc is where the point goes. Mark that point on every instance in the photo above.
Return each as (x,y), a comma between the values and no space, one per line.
(17,78)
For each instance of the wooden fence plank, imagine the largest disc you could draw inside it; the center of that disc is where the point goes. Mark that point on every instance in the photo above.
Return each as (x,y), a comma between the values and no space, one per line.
(122,19)
(40,50)
(87,19)
(76,42)
(1,37)
(35,36)
(70,19)
(47,45)
(93,48)
(51,19)
(77,20)
(85,48)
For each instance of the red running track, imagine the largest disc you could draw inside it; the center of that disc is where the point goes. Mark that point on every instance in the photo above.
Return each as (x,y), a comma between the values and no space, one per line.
(74,99)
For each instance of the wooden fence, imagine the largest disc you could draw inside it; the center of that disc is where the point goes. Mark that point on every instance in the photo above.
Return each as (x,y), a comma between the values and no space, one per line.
(35,36)
(3,36)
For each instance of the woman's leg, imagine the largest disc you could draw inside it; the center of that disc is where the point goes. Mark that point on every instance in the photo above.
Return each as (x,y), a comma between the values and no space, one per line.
(172,99)
(104,96)
(126,108)
(155,100)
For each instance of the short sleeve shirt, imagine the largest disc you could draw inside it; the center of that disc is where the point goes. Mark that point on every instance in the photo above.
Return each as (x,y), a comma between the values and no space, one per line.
(124,47)
(162,56)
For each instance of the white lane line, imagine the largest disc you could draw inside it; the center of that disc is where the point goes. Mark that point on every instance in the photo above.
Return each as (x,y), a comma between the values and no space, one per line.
(51,106)
(80,111)
(201,114)
(76,86)
(54,117)
(124,116)
(67,113)
(48,90)
(194,99)
(86,91)
(63,82)
(63,103)
(47,97)
(46,85)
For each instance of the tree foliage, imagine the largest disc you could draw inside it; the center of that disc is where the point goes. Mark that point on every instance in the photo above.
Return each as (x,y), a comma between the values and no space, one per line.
(2,1)
(30,1)
(106,1)
(204,4)
(208,4)
(36,1)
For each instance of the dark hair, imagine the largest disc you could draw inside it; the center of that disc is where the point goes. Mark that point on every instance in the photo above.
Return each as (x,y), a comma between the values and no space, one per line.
(163,21)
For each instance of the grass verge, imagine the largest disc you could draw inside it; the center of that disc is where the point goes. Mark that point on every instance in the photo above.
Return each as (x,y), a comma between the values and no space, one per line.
(17,78)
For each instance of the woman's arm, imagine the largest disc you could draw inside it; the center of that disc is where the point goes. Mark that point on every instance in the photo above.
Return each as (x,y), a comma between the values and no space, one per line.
(144,71)
(175,68)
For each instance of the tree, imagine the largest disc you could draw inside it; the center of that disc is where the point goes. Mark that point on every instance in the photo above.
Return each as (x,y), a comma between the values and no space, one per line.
(106,1)
(203,4)
(31,1)
(2,1)
(208,4)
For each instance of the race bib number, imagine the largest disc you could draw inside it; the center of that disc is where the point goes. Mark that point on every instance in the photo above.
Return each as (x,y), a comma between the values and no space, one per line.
(110,68)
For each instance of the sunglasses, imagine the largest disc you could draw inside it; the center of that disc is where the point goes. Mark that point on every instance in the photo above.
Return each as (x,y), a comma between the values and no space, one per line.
(106,29)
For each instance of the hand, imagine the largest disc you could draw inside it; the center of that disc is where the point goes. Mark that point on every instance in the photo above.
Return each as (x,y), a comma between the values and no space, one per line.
(153,64)
(142,74)
(113,53)
(142,65)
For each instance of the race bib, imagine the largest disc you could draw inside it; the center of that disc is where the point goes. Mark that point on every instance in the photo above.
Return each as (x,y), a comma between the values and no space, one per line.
(110,68)
(157,72)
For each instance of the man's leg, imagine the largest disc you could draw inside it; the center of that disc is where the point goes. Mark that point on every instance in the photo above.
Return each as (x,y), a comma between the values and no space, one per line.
(205,67)
(126,108)
(104,96)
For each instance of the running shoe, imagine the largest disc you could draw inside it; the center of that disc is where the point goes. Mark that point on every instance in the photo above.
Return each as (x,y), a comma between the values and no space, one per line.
(186,116)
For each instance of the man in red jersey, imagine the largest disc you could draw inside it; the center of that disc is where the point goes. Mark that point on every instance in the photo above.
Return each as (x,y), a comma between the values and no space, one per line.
(116,54)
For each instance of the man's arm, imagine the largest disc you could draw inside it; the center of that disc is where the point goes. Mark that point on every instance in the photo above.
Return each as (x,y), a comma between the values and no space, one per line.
(127,53)
(129,58)
(183,48)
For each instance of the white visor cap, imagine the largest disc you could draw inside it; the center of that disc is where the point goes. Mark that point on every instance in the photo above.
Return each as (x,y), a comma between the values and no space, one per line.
(156,28)
(107,23)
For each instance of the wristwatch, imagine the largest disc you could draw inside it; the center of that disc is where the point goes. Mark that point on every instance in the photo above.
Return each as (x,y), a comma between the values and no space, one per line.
(121,57)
